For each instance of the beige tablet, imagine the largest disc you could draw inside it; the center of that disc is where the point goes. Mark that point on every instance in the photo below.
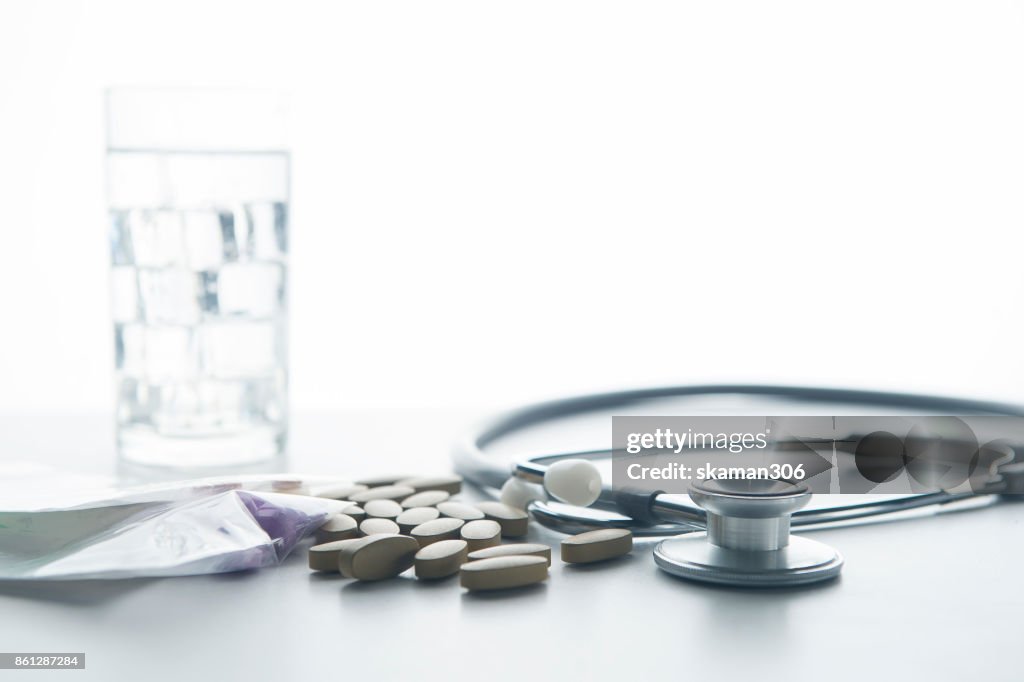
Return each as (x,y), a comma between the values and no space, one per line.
(440,559)
(373,526)
(410,518)
(504,572)
(437,530)
(597,545)
(338,527)
(515,549)
(481,534)
(377,557)
(514,522)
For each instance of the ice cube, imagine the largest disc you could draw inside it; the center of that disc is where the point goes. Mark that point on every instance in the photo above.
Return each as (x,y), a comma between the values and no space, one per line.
(124,294)
(281,226)
(220,402)
(268,227)
(209,298)
(120,238)
(229,235)
(130,349)
(199,406)
(236,233)
(253,289)
(169,296)
(170,353)
(233,349)
(203,239)
(180,412)
(265,398)
(157,237)
(221,399)
(135,402)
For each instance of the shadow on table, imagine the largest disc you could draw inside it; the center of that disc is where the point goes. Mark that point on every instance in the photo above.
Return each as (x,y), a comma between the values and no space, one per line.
(72,592)
(92,592)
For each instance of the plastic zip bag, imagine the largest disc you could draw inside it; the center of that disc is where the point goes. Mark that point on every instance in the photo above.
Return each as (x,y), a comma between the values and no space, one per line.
(211,525)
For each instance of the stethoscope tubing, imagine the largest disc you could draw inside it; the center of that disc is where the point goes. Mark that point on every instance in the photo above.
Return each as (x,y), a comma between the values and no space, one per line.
(661,514)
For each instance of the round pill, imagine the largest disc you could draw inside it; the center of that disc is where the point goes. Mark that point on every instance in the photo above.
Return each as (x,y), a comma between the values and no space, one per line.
(338,527)
(503,572)
(355,511)
(574,481)
(374,526)
(427,498)
(481,534)
(514,522)
(324,557)
(597,545)
(384,492)
(341,492)
(384,479)
(440,559)
(383,509)
(458,510)
(516,549)
(436,530)
(450,483)
(411,518)
(377,557)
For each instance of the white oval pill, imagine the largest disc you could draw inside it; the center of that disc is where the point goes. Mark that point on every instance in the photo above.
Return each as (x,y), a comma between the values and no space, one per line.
(375,526)
(383,509)
(481,534)
(338,527)
(597,545)
(411,518)
(450,483)
(440,559)
(458,510)
(515,549)
(436,530)
(574,481)
(384,492)
(324,557)
(427,498)
(504,572)
(514,522)
(377,557)
(519,494)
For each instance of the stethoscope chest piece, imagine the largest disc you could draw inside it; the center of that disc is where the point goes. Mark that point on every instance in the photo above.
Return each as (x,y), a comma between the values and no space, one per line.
(747,541)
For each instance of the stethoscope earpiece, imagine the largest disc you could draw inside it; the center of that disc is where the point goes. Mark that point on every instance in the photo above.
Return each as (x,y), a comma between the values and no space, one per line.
(573,481)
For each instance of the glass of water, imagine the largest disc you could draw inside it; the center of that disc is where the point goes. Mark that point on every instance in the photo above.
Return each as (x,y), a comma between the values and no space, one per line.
(198,185)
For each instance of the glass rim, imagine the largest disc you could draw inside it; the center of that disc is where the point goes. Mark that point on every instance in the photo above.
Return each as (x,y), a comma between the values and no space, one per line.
(195,119)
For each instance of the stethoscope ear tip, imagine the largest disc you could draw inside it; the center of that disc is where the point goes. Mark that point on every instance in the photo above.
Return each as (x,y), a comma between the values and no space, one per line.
(518,493)
(573,481)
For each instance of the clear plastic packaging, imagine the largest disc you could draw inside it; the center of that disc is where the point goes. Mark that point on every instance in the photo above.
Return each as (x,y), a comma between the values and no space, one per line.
(216,525)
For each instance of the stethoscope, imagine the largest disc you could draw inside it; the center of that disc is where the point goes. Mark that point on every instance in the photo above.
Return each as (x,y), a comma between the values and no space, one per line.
(730,532)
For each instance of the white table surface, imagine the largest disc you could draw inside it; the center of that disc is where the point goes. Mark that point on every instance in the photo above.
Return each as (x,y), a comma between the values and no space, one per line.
(938,597)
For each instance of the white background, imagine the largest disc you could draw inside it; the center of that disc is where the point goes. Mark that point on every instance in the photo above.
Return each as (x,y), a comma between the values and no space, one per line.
(495,202)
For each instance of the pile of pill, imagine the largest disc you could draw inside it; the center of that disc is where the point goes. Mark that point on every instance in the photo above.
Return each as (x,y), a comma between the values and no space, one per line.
(394,523)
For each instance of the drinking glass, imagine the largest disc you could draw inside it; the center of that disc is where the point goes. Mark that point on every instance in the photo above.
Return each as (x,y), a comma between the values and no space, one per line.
(198,188)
